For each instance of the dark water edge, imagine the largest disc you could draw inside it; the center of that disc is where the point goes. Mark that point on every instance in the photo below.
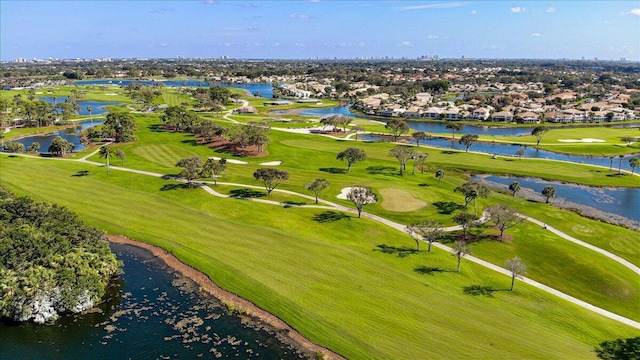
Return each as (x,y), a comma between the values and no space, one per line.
(150,312)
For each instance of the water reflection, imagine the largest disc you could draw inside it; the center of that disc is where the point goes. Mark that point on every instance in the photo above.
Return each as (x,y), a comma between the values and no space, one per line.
(622,205)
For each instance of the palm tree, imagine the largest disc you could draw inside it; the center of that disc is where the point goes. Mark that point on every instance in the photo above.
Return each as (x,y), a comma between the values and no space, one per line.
(549,192)
(633,162)
(620,165)
(89,108)
(514,187)
(105,152)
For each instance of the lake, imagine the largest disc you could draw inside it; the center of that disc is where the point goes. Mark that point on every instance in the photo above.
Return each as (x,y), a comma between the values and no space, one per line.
(265,90)
(619,204)
(97,107)
(510,150)
(150,312)
(71,135)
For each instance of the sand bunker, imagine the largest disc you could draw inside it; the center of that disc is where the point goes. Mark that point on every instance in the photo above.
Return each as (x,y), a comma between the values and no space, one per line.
(272,163)
(231,161)
(586,140)
(111,94)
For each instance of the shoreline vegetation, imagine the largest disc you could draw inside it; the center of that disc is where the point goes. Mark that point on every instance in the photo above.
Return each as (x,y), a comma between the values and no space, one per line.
(232,301)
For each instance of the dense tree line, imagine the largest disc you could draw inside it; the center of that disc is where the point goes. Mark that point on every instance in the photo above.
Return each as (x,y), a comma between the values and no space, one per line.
(51,263)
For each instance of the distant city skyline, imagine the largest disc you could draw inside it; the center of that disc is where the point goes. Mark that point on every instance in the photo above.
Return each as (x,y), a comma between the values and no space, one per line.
(323,29)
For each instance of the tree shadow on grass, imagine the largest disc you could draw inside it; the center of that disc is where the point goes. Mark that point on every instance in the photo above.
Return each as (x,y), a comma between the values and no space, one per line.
(192,142)
(288,204)
(246,194)
(424,185)
(402,251)
(428,270)
(330,216)
(477,290)
(382,170)
(167,187)
(157,128)
(81,173)
(447,207)
(333,170)
(449,152)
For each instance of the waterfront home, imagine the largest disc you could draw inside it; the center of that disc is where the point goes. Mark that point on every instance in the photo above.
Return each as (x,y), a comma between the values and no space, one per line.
(502,116)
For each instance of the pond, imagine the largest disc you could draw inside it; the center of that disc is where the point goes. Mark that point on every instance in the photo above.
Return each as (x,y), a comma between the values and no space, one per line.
(70,134)
(150,312)
(511,149)
(433,127)
(97,107)
(265,90)
(620,205)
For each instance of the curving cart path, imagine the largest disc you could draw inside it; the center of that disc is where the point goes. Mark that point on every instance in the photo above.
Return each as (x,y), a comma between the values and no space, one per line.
(401,227)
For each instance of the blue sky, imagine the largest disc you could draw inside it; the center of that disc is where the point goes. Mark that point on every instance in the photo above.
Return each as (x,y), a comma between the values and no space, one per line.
(608,30)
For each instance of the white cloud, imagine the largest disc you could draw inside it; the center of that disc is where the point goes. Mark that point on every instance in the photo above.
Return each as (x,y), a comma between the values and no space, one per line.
(405,44)
(432,37)
(634,11)
(551,10)
(535,34)
(517,9)
(432,6)
(314,1)
(473,12)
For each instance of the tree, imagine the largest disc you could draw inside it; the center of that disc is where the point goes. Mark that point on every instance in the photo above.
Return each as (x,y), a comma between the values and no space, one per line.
(317,186)
(119,126)
(539,132)
(34,147)
(634,162)
(454,126)
(397,127)
(402,154)
(467,140)
(419,159)
(361,196)
(357,130)
(519,153)
(504,217)
(621,156)
(465,220)
(628,140)
(517,267)
(14,147)
(271,177)
(548,192)
(428,231)
(352,155)
(89,109)
(213,168)
(60,146)
(105,152)
(2,136)
(459,251)
(330,121)
(439,175)
(120,155)
(514,187)
(471,192)
(419,136)
(344,121)
(191,168)
(619,349)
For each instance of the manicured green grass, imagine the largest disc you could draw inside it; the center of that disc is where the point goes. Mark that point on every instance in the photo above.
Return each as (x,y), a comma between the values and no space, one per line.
(551,141)
(325,278)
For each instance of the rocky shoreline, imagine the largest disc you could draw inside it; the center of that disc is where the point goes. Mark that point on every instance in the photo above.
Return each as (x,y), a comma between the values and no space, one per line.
(284,332)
